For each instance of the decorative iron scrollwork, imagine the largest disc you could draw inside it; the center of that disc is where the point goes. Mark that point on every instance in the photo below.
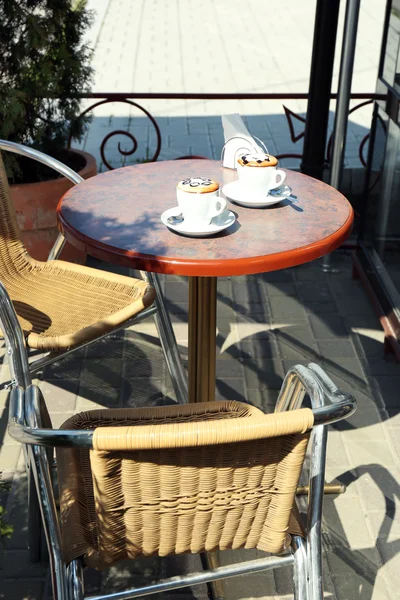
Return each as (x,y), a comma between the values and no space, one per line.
(125,133)
(290,116)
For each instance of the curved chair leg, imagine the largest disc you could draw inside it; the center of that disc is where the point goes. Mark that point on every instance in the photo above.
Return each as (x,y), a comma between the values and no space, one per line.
(75,580)
(300,569)
(35,528)
(168,341)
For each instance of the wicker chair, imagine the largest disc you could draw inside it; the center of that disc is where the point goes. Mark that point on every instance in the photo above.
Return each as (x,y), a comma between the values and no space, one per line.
(183,479)
(62,306)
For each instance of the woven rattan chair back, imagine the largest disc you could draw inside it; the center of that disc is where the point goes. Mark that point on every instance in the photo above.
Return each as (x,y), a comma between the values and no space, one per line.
(13,255)
(181,479)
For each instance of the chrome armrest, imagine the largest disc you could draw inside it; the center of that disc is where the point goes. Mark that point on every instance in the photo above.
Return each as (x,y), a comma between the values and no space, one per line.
(49,162)
(24,423)
(328,403)
(42,158)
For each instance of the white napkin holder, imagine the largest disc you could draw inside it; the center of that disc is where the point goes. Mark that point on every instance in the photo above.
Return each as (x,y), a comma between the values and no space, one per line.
(238,141)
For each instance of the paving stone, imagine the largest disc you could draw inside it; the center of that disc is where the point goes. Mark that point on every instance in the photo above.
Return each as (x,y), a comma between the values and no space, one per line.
(309,272)
(66,368)
(9,456)
(16,564)
(260,330)
(26,589)
(230,388)
(278,288)
(59,418)
(370,452)
(389,553)
(263,373)
(260,585)
(247,292)
(101,380)
(106,348)
(358,586)
(60,395)
(320,308)
(383,366)
(16,509)
(287,309)
(263,348)
(328,326)
(372,348)
(389,387)
(130,574)
(283,276)
(354,304)
(176,291)
(345,524)
(141,392)
(296,341)
(345,560)
(225,325)
(366,416)
(336,348)
(383,525)
(314,292)
(265,399)
(336,452)
(344,367)
(229,368)
(377,487)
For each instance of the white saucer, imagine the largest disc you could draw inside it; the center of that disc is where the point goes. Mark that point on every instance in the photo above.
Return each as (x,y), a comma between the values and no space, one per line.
(219,223)
(236,192)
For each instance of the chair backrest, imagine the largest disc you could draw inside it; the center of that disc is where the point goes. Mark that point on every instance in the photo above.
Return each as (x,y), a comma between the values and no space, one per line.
(177,479)
(13,254)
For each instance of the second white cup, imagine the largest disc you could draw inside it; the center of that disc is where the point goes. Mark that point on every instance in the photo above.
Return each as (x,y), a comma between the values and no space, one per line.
(259,174)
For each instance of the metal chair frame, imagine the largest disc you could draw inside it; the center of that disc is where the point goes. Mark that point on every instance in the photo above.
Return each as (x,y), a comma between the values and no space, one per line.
(158,310)
(22,365)
(328,404)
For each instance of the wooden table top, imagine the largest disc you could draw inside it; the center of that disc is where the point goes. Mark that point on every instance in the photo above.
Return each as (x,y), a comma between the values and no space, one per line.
(115,216)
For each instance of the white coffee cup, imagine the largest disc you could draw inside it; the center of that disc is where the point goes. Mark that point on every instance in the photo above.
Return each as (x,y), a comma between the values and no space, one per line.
(199,200)
(258,173)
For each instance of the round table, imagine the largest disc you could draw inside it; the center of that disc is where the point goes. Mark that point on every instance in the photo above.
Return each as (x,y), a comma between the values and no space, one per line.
(115,216)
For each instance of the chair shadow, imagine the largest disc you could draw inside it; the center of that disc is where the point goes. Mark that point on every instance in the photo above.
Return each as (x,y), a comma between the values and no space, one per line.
(356,560)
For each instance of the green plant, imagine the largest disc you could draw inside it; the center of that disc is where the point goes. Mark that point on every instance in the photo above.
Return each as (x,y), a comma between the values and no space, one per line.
(44,68)
(5,528)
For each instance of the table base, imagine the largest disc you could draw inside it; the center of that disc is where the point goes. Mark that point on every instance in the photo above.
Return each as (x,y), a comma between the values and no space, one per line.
(202,338)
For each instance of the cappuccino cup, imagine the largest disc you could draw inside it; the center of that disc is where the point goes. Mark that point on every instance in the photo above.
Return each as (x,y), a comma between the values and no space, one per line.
(199,200)
(258,173)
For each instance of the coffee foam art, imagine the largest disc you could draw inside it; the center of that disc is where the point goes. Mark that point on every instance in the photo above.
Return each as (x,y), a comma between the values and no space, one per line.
(198,185)
(257,158)
(198,181)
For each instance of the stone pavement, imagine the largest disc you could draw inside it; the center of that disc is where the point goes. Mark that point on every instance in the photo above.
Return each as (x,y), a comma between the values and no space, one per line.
(266,323)
(224,46)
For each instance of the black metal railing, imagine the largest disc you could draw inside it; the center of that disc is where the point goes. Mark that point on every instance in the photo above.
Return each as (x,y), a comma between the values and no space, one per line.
(131,99)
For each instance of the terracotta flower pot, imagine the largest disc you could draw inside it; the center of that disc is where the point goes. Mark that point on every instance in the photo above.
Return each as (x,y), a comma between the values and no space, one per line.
(35,205)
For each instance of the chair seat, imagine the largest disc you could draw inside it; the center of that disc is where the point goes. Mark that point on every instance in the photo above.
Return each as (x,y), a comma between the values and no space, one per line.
(61,305)
(164,480)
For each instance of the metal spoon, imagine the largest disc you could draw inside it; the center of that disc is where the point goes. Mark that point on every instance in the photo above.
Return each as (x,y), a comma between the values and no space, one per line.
(175,219)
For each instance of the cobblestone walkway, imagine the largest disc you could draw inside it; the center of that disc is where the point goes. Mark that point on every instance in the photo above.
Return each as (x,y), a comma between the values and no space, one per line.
(215,46)
(266,324)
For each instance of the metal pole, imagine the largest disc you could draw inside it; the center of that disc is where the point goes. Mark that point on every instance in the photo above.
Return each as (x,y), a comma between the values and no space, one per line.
(343,101)
(323,54)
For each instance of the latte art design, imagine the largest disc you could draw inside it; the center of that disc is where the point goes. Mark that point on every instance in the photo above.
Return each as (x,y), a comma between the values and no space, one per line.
(258,158)
(197,181)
